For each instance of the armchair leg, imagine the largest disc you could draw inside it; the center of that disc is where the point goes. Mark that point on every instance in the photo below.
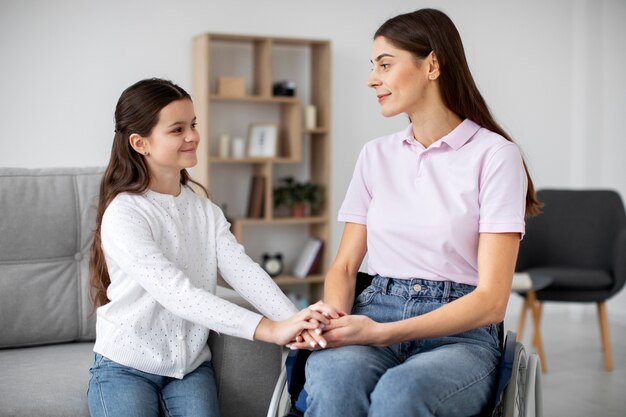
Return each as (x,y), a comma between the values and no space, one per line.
(522,319)
(536,310)
(535,307)
(604,334)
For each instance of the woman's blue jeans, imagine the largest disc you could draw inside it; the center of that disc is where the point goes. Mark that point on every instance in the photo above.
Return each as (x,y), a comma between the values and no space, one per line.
(120,391)
(446,376)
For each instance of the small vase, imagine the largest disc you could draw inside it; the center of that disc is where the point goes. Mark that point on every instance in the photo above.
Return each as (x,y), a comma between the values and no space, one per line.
(297,210)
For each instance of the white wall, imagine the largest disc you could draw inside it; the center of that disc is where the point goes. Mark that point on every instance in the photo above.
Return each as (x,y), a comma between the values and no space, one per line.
(553,73)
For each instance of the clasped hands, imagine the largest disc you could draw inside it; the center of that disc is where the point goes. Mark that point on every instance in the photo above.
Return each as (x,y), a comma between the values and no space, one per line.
(333,328)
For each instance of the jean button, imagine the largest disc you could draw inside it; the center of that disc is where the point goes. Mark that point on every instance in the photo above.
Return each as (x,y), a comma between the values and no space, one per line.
(417,288)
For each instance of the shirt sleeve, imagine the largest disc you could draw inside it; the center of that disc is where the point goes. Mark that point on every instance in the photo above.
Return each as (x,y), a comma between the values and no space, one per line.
(358,197)
(129,245)
(503,186)
(246,276)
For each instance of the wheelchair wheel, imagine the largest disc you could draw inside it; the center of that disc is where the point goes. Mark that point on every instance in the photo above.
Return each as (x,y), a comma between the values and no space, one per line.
(515,392)
(533,400)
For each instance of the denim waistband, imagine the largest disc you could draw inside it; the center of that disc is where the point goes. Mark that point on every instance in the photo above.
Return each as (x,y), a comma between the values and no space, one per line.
(422,288)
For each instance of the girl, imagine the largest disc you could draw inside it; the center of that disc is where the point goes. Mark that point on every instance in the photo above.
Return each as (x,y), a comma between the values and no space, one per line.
(439,207)
(155,256)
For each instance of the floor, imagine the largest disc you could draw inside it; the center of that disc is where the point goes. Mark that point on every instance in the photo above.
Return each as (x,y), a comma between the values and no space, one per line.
(576,384)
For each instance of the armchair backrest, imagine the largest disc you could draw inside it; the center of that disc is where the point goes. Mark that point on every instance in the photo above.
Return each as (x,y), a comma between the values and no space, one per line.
(577,228)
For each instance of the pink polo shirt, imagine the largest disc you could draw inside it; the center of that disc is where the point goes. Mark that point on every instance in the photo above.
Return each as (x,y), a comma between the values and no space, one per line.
(424,208)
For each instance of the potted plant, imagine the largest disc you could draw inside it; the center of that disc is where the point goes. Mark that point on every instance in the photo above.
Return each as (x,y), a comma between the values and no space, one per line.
(297,195)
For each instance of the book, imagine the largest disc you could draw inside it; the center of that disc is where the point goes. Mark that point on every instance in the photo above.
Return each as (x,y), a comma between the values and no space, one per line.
(309,258)
(257,197)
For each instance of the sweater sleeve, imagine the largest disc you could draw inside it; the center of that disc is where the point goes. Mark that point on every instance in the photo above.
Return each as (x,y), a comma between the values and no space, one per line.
(246,276)
(130,249)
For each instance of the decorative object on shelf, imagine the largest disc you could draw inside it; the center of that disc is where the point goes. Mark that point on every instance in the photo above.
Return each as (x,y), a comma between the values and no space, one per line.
(257,194)
(310,117)
(224,146)
(309,258)
(231,87)
(272,264)
(284,88)
(239,148)
(296,195)
(298,300)
(262,140)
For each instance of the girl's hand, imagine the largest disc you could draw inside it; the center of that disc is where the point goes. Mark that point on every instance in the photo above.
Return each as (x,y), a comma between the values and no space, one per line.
(282,332)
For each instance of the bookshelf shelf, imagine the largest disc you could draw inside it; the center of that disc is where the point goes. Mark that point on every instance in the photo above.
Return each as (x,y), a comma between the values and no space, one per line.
(303,153)
(251,160)
(276,221)
(291,280)
(257,99)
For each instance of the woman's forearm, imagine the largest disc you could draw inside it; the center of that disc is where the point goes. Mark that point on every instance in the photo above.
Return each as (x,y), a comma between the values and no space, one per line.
(476,309)
(339,289)
(340,282)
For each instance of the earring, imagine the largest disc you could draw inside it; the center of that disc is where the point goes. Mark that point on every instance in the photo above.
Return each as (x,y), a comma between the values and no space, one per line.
(146,153)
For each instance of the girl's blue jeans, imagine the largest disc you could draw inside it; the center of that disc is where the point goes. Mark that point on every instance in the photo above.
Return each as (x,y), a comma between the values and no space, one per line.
(445,376)
(120,391)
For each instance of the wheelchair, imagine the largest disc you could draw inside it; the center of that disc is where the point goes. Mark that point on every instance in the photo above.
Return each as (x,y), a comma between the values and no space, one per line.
(518,388)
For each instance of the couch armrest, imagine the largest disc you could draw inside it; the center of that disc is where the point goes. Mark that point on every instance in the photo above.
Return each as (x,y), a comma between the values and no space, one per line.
(246,373)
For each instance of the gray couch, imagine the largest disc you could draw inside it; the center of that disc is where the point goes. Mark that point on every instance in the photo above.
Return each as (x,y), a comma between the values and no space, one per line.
(46,326)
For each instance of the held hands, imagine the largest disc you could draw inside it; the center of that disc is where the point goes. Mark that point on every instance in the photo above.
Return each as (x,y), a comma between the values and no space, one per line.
(309,320)
(312,338)
(342,330)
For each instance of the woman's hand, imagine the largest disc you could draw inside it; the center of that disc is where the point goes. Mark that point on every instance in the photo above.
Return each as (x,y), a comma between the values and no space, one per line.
(283,332)
(354,330)
(348,330)
(327,310)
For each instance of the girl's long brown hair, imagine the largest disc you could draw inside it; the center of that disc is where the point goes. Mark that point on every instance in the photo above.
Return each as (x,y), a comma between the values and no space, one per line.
(428,30)
(137,111)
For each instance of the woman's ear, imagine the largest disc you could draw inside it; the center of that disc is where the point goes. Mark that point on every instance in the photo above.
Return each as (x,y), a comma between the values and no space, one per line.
(433,66)
(139,144)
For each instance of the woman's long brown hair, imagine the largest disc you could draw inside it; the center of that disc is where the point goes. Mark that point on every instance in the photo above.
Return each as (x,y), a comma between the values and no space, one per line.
(428,30)
(137,111)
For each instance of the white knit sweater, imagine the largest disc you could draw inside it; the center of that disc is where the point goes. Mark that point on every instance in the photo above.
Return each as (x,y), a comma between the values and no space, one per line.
(163,254)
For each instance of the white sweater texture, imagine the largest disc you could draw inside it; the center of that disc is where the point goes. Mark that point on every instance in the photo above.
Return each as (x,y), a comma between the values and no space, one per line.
(163,254)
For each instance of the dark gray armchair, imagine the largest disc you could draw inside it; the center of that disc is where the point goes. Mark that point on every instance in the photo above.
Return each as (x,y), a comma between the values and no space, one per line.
(579,242)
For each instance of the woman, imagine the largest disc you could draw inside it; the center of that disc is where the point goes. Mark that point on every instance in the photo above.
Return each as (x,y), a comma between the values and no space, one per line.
(155,256)
(439,207)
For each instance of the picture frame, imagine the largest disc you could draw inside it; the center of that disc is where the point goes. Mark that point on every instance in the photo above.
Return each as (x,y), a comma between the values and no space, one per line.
(262,140)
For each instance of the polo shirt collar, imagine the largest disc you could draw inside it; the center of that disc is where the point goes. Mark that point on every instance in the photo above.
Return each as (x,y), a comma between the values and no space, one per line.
(455,139)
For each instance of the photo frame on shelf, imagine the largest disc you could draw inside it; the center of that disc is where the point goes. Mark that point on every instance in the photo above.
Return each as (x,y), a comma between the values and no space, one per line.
(262,140)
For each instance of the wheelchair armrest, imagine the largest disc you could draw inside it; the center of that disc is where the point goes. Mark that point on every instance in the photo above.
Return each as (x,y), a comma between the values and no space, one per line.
(505,369)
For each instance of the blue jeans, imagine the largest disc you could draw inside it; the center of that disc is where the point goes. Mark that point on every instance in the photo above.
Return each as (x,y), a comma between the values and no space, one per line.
(120,391)
(446,376)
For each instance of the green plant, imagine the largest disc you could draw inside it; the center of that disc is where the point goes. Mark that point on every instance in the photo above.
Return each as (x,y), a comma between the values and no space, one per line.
(290,192)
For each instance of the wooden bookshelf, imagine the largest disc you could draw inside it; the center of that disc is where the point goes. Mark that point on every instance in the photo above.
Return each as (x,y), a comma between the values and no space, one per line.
(261,61)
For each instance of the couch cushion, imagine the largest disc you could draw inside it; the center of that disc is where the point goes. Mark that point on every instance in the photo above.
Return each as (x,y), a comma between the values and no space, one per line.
(45,381)
(46,224)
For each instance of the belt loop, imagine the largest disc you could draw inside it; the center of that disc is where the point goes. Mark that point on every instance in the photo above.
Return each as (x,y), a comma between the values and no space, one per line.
(384,284)
(446,291)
